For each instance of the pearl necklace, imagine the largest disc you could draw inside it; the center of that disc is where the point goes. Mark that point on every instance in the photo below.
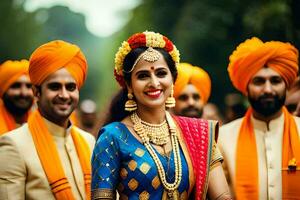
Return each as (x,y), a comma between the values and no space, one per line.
(142,132)
(157,133)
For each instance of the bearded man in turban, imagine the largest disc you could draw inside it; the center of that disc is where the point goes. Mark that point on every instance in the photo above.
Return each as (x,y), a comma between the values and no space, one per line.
(262,149)
(16,96)
(48,157)
(191,90)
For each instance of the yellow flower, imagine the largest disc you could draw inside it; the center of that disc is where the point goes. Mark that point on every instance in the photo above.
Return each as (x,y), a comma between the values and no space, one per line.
(293,162)
(292,165)
(152,40)
(175,55)
(120,56)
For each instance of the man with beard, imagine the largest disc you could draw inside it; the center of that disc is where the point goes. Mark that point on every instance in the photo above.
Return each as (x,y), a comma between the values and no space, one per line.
(16,96)
(191,91)
(262,150)
(48,157)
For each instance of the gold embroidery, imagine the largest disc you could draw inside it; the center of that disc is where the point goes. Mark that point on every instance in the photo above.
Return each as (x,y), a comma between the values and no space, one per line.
(168,195)
(123,173)
(216,155)
(145,168)
(100,193)
(155,182)
(132,165)
(144,195)
(139,152)
(133,184)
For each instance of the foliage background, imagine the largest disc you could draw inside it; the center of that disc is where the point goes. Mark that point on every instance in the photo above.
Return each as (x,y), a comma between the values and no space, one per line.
(205,32)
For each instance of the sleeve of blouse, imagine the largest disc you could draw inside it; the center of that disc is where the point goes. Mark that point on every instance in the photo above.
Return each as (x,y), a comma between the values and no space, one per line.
(105,165)
(216,156)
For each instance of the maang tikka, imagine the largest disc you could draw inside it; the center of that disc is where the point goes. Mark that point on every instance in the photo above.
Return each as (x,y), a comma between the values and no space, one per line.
(150,55)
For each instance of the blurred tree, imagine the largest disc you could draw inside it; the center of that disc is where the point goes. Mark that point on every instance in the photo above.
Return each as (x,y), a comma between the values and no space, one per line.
(294,5)
(60,22)
(19,31)
(22,32)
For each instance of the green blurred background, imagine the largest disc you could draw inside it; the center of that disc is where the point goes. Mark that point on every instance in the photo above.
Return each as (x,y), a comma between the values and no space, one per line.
(205,32)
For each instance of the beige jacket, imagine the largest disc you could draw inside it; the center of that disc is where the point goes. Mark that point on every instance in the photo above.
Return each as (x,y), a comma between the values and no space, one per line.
(269,150)
(21,172)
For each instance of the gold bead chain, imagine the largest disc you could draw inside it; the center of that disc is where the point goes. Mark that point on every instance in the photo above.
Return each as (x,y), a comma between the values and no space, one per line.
(141,131)
(157,133)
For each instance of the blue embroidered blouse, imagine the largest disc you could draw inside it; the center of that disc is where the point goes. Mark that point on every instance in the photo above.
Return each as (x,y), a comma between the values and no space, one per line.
(121,162)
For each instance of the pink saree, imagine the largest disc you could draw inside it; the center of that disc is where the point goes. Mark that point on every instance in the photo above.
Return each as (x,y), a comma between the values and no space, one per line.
(198,136)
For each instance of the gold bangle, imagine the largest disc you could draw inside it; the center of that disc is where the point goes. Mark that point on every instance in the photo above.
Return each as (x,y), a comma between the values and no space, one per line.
(101,193)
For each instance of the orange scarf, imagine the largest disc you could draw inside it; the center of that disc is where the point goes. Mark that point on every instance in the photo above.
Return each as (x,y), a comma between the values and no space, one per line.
(7,122)
(50,160)
(247,164)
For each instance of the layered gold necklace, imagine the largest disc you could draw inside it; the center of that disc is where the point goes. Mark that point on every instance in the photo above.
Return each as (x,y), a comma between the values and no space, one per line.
(157,133)
(143,130)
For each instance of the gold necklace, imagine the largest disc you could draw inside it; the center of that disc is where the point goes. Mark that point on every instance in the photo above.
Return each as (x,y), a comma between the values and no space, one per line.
(171,188)
(158,133)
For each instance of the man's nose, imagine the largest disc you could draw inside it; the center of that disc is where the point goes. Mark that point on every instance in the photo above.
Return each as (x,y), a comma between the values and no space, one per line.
(268,87)
(25,91)
(191,101)
(63,93)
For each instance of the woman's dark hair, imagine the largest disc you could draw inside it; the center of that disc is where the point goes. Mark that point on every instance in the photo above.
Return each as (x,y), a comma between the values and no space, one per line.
(116,111)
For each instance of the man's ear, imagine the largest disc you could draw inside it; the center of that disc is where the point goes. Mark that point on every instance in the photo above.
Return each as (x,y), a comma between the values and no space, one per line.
(247,91)
(36,91)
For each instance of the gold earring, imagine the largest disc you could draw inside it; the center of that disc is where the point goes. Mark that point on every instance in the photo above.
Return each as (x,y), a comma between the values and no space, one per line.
(130,104)
(170,102)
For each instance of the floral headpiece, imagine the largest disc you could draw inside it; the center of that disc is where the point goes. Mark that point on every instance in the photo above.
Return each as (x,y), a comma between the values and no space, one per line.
(145,39)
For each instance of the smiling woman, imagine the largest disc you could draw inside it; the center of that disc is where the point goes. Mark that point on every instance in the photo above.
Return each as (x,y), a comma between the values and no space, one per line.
(144,152)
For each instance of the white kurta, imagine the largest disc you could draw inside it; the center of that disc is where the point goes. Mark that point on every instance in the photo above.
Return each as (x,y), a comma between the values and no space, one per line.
(21,173)
(269,151)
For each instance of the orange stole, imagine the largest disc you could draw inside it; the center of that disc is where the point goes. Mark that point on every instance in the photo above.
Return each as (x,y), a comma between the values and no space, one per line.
(290,149)
(7,122)
(50,160)
(246,158)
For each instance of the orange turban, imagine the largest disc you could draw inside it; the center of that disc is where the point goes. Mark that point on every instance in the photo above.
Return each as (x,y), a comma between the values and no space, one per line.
(55,55)
(194,75)
(10,71)
(253,54)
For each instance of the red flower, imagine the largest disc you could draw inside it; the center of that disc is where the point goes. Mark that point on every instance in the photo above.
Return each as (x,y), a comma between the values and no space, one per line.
(169,44)
(137,40)
(120,79)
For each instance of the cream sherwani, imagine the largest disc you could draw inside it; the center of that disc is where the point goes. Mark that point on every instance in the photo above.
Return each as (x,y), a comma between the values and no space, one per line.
(21,173)
(269,151)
